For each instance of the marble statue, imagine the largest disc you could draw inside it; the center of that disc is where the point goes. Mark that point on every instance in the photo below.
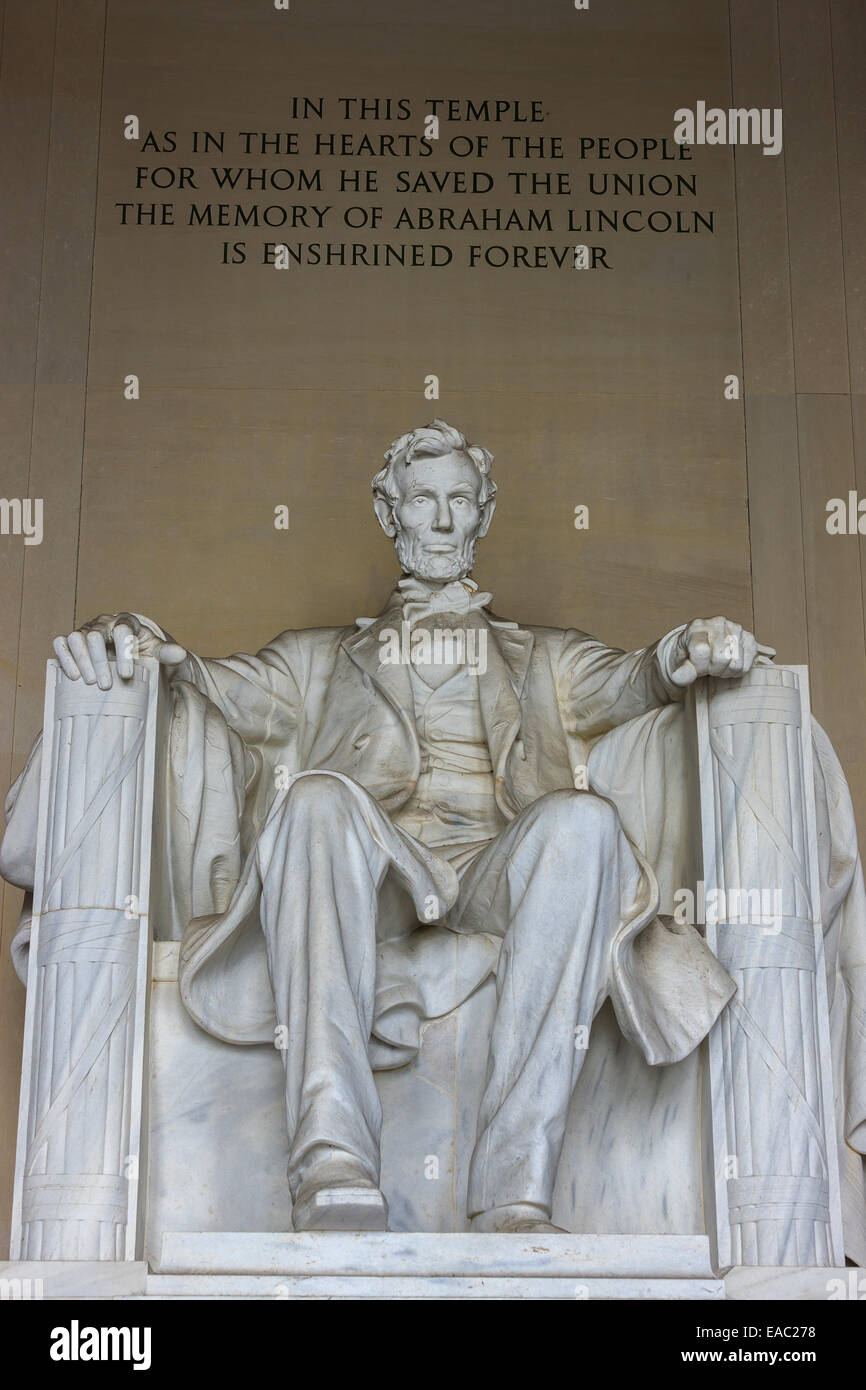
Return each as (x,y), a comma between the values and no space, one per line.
(350,802)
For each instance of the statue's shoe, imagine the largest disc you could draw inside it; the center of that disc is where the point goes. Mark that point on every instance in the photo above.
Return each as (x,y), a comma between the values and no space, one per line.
(518,1219)
(339,1197)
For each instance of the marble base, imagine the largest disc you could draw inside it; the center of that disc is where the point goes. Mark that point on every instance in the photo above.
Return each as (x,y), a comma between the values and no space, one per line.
(330,1264)
(426,1265)
(235,1286)
(318,1265)
(433,1254)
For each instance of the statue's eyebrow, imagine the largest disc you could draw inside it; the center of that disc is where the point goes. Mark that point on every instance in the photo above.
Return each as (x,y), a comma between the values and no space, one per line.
(420,490)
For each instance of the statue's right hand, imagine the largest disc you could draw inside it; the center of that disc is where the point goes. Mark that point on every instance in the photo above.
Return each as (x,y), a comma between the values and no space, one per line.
(83,654)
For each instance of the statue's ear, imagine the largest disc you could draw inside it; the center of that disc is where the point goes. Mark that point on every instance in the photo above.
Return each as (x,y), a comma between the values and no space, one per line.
(385,513)
(486,516)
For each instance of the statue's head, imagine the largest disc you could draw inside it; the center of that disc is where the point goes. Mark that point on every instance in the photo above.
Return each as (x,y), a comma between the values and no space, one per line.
(435,498)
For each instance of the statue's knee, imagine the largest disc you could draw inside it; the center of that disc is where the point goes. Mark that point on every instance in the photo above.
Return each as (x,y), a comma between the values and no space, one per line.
(320,795)
(576,815)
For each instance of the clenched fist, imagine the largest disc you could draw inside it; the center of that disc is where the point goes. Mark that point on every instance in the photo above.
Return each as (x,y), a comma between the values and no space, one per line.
(83,654)
(714,647)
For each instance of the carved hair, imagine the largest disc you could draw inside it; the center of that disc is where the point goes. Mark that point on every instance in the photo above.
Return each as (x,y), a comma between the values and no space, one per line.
(433,441)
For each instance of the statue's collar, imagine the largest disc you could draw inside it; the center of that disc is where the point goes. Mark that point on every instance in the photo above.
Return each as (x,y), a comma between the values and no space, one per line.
(413,600)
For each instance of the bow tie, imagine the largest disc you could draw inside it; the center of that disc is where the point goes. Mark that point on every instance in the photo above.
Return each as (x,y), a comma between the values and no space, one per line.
(422,600)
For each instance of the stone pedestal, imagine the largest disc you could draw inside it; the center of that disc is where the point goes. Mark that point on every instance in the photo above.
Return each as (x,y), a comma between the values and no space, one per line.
(313,1265)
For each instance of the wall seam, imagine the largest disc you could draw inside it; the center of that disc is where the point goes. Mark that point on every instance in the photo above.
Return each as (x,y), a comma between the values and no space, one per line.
(90,307)
(845,289)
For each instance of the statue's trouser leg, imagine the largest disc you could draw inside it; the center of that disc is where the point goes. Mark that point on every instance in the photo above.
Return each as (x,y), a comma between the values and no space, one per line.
(561,879)
(319,913)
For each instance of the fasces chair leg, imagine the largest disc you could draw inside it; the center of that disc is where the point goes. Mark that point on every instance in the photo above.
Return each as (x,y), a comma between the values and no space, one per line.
(80,1164)
(775,1175)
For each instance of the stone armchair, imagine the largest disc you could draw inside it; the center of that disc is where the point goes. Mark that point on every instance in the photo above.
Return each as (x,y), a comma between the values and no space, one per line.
(149,1148)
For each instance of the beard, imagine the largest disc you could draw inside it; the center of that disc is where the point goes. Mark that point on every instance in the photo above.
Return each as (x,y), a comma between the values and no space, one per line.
(441,568)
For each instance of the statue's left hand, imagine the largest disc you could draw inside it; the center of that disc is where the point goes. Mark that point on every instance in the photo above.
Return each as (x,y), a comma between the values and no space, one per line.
(714,647)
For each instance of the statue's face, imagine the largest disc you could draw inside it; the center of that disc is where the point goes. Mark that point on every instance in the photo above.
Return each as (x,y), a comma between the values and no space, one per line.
(438,517)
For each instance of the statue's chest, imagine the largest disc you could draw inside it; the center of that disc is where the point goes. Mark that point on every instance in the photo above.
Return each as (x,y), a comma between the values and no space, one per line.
(435,675)
(437,652)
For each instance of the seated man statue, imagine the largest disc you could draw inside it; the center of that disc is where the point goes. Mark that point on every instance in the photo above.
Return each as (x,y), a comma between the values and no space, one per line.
(411,793)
